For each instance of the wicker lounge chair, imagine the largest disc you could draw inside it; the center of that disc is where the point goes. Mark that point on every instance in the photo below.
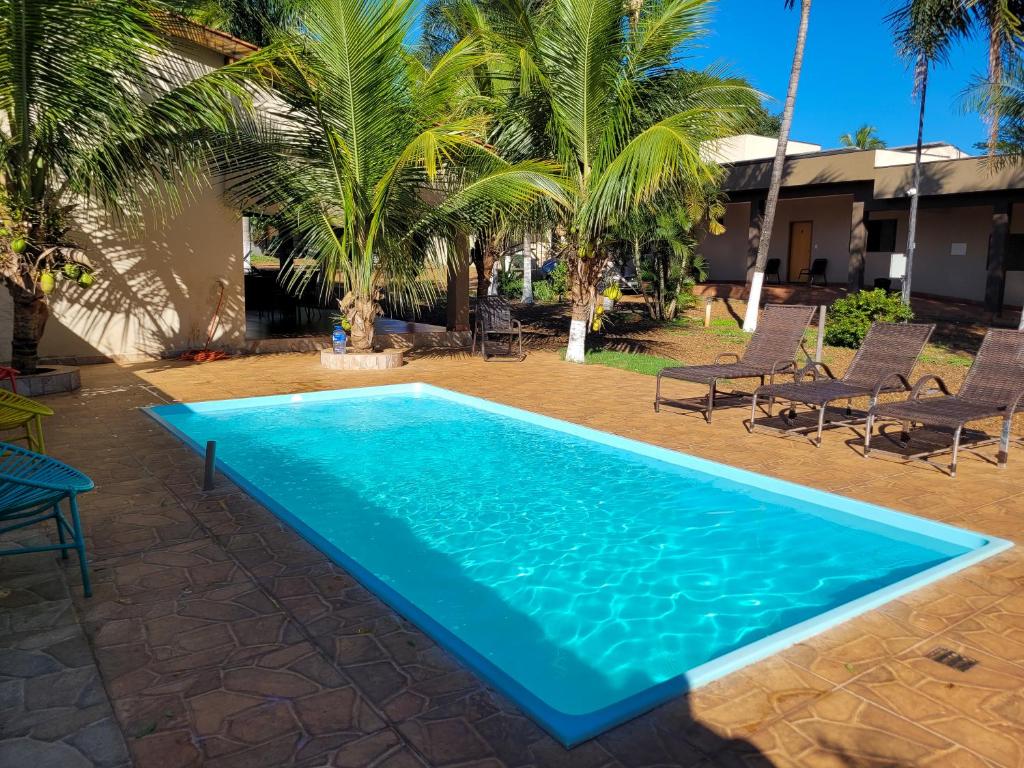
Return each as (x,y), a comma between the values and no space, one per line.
(32,488)
(772,349)
(883,363)
(17,412)
(494,318)
(993,389)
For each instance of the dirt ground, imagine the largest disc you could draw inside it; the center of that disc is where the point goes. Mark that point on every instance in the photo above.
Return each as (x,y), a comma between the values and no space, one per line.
(546,326)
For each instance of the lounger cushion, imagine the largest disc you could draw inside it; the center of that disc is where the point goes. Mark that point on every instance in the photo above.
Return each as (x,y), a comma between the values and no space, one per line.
(939,411)
(706,374)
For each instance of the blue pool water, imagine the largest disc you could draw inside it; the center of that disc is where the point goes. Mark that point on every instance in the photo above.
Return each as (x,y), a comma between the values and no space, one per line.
(587,576)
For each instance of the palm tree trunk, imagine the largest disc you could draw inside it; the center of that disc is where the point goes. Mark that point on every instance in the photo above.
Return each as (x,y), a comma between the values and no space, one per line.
(29,321)
(995,76)
(754,301)
(584,274)
(484,251)
(922,78)
(527,270)
(361,313)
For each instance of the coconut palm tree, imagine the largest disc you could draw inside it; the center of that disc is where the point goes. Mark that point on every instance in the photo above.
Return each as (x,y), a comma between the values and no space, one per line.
(865,137)
(624,120)
(369,154)
(94,115)
(998,20)
(775,184)
(924,30)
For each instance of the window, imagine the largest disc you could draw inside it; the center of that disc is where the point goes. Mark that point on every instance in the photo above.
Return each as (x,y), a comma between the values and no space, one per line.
(882,235)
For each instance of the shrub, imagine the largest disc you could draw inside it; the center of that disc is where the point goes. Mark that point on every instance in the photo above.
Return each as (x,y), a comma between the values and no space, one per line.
(542,291)
(560,278)
(510,284)
(850,317)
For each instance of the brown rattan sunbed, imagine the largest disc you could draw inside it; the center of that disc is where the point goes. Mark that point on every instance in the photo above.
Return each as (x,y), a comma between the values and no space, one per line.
(772,349)
(883,363)
(993,389)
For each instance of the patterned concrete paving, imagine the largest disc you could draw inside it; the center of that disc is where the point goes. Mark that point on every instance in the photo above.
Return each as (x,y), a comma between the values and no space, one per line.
(216,636)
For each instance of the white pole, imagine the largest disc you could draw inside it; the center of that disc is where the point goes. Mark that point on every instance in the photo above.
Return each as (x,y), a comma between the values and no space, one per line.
(246,245)
(527,269)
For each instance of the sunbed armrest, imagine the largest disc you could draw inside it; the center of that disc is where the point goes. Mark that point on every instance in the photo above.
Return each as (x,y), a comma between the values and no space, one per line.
(720,355)
(883,383)
(811,369)
(781,366)
(915,392)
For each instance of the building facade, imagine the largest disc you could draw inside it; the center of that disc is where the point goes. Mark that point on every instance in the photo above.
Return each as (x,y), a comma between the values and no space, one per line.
(851,207)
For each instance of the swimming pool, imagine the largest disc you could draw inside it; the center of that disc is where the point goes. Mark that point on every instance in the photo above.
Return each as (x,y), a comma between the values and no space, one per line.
(587,576)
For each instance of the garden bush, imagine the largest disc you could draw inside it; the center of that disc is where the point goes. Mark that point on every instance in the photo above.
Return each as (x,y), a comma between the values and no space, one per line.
(850,317)
(542,291)
(510,284)
(560,278)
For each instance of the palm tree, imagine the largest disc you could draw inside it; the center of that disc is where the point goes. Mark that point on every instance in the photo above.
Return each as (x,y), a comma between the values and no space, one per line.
(924,30)
(775,184)
(372,154)
(94,116)
(865,137)
(998,20)
(625,122)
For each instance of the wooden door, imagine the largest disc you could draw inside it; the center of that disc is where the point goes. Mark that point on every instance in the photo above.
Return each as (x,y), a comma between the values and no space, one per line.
(801,239)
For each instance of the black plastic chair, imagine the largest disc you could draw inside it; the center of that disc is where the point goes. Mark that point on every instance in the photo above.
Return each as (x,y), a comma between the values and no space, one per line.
(771,267)
(819,269)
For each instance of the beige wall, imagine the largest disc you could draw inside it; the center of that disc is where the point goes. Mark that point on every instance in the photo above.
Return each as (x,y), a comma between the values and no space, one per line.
(726,254)
(155,290)
(935,270)
(154,293)
(831,232)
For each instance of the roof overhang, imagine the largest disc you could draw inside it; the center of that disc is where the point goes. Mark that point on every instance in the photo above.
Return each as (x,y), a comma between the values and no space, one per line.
(206,37)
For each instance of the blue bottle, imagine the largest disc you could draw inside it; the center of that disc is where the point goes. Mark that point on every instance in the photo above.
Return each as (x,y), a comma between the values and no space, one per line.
(339,340)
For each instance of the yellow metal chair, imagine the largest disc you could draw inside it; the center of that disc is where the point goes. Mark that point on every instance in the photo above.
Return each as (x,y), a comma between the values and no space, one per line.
(17,412)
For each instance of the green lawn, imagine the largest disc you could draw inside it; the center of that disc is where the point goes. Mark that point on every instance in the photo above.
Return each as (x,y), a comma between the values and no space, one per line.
(629,361)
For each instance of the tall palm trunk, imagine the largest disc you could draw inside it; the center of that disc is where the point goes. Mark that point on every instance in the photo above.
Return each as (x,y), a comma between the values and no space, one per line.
(921,76)
(754,301)
(995,75)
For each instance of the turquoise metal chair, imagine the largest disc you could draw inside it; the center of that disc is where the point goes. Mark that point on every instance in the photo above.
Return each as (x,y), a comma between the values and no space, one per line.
(32,489)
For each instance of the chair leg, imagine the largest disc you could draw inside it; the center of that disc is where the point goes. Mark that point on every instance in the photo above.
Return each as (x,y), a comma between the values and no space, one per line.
(956,451)
(711,401)
(1004,443)
(821,423)
(83,563)
(657,393)
(58,519)
(870,425)
(753,410)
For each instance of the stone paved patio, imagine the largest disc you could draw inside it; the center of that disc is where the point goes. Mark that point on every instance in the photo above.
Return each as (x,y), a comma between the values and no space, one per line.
(218,637)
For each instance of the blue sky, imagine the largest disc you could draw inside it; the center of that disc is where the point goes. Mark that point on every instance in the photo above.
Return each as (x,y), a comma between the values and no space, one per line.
(851,74)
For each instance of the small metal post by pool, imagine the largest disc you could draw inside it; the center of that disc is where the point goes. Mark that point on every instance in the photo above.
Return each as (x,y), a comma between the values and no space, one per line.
(821,333)
(211,460)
